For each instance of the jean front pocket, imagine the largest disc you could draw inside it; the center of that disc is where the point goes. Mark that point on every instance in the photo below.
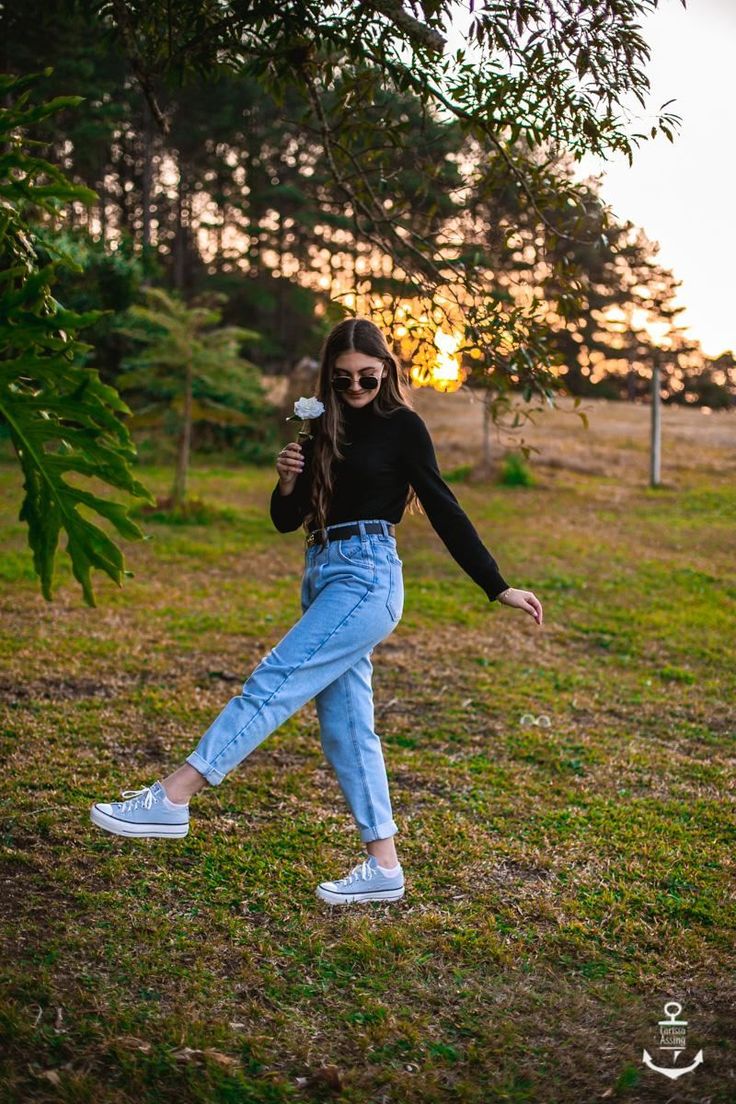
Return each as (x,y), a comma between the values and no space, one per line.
(391,548)
(351,550)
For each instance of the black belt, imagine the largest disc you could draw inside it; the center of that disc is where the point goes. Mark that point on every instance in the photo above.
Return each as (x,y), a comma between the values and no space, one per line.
(350,529)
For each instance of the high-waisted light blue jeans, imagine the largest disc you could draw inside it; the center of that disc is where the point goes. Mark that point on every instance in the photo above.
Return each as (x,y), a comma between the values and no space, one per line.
(352,597)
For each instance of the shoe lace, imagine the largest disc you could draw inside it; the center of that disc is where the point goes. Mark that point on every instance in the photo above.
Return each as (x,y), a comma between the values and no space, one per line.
(360,870)
(134,798)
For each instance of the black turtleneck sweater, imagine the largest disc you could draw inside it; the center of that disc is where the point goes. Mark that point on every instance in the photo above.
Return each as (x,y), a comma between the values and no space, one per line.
(386,454)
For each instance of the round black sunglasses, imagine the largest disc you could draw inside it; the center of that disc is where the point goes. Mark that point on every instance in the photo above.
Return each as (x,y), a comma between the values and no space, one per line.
(368,383)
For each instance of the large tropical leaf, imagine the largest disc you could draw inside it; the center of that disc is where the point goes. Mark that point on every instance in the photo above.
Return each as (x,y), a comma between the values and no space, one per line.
(69,407)
(61,417)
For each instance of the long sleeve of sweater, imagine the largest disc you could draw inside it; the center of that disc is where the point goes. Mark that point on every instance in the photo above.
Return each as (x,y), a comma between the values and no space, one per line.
(287,511)
(445,513)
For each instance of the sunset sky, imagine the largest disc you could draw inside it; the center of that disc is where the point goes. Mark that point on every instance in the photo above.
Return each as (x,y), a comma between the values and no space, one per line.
(681,193)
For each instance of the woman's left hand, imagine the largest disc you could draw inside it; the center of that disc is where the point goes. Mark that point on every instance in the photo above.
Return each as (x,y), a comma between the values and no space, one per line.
(523,599)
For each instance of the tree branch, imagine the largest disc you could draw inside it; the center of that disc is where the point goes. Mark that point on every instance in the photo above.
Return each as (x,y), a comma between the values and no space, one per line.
(431,39)
(127,33)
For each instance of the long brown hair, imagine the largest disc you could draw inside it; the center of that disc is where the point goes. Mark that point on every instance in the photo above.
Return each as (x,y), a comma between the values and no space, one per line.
(351,335)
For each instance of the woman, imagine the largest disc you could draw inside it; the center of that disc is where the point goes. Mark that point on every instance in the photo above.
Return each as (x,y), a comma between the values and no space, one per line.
(369,458)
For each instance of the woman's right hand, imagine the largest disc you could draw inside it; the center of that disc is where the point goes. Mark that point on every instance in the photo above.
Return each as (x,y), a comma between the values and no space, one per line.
(289,462)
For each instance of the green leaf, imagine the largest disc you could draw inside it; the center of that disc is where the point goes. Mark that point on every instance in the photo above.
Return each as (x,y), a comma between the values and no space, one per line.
(61,417)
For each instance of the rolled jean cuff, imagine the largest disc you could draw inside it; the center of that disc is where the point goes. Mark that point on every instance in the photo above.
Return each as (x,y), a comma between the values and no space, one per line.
(213,776)
(379,831)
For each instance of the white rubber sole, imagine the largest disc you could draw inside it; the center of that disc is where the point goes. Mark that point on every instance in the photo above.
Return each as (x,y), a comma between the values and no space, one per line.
(333,898)
(125,828)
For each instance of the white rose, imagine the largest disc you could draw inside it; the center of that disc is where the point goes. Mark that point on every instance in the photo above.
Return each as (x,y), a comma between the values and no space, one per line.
(308,407)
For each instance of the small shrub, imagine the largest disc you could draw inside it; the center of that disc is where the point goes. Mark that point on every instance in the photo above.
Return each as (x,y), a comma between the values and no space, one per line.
(515,471)
(193,511)
(458,475)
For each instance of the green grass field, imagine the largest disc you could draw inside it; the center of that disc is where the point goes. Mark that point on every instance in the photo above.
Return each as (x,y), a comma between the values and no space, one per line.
(562,882)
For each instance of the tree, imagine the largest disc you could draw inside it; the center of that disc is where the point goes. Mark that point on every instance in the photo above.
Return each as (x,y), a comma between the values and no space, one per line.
(542,77)
(448,190)
(183,354)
